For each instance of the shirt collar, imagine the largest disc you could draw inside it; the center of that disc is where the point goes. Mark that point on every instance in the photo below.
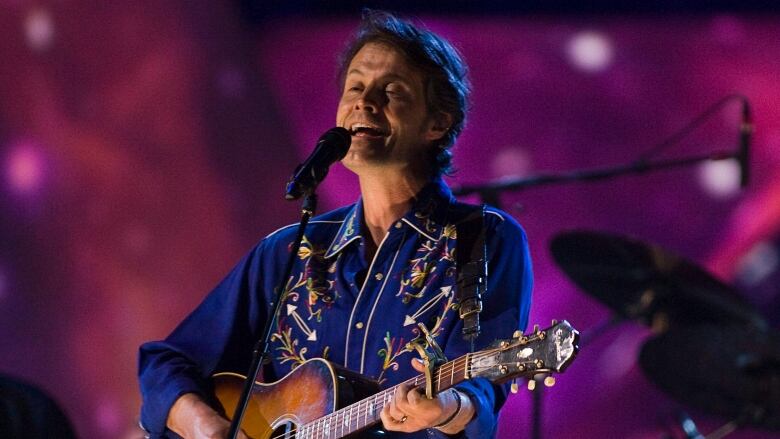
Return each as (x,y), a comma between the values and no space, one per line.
(427,216)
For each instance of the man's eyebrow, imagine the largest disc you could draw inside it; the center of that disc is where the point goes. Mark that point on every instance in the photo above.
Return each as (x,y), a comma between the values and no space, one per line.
(389,76)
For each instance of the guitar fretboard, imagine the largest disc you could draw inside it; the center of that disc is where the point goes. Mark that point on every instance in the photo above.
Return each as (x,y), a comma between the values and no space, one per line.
(365,413)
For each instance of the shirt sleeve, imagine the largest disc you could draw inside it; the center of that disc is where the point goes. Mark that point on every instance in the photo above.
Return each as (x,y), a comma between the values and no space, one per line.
(506,305)
(183,363)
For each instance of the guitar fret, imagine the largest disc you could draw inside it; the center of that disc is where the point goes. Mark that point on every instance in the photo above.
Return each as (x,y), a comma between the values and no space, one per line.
(452,375)
(365,417)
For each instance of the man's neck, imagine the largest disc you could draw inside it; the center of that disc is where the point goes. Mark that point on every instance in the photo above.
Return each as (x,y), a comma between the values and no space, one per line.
(386,198)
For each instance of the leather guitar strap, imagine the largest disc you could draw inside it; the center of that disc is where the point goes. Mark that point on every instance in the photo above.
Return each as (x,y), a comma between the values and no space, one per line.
(471,265)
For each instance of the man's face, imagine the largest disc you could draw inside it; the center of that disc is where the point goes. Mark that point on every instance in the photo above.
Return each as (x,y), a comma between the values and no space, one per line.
(383,105)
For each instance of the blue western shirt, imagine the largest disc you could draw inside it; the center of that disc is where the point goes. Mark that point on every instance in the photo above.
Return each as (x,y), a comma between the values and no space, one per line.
(340,308)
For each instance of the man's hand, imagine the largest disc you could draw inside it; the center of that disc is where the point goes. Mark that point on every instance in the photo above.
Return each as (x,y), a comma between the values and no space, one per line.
(411,411)
(191,418)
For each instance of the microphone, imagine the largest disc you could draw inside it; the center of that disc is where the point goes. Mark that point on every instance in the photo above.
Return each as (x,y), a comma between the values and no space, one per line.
(331,147)
(743,154)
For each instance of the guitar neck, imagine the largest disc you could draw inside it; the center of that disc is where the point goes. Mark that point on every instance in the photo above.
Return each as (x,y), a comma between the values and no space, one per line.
(365,413)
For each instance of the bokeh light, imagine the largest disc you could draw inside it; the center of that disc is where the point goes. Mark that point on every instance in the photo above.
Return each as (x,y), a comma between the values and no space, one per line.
(590,51)
(510,162)
(108,417)
(39,29)
(720,179)
(25,168)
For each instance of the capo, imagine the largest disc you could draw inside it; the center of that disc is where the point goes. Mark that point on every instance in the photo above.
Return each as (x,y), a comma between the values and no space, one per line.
(431,354)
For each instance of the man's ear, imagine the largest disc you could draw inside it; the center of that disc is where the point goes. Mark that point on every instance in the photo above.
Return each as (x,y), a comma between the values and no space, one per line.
(438,125)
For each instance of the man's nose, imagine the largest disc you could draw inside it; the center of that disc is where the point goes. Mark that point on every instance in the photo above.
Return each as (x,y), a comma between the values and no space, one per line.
(370,100)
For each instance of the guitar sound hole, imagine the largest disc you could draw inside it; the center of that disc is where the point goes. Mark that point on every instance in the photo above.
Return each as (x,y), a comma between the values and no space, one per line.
(285,430)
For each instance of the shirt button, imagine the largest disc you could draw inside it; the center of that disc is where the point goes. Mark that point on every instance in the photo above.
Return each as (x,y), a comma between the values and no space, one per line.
(378,276)
(359,325)
(398,225)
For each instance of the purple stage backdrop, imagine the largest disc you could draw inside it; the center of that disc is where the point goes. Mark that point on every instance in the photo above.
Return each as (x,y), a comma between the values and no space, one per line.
(144,149)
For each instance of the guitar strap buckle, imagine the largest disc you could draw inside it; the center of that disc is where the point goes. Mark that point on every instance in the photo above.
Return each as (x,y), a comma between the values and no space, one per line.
(430,353)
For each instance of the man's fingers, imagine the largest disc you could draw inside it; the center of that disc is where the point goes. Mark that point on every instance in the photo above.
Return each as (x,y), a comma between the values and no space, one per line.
(400,396)
(413,397)
(391,421)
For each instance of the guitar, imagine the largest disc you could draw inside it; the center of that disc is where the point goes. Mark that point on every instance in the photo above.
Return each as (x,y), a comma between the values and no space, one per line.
(312,401)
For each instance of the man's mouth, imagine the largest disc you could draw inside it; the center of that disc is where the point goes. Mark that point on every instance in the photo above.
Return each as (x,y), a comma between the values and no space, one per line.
(366,130)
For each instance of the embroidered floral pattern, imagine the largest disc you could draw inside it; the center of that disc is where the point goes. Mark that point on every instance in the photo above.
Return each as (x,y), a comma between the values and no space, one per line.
(420,289)
(312,284)
(288,348)
(428,256)
(394,348)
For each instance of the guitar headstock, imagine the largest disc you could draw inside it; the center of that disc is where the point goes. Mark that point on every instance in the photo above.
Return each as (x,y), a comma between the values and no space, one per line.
(545,351)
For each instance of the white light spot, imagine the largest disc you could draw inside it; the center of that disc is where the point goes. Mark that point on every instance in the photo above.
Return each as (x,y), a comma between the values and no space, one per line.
(510,162)
(758,263)
(720,178)
(24,169)
(590,51)
(39,29)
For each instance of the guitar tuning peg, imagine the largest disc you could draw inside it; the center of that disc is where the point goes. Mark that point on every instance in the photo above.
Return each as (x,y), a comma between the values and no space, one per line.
(531,384)
(549,381)
(536,328)
(554,322)
(517,334)
(514,387)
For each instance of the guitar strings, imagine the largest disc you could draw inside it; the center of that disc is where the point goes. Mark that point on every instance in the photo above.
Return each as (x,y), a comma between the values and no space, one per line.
(322,424)
(315,428)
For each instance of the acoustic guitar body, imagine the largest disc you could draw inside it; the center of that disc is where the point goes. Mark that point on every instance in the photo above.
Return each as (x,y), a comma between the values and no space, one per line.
(314,389)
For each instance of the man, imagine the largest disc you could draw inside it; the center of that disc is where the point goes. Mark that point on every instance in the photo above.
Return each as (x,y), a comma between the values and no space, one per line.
(368,273)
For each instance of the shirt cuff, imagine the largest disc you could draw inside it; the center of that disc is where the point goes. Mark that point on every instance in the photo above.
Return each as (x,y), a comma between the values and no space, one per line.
(154,411)
(483,425)
(483,397)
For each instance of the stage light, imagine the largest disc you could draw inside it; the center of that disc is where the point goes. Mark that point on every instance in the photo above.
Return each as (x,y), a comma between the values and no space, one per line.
(590,51)
(24,169)
(39,29)
(720,179)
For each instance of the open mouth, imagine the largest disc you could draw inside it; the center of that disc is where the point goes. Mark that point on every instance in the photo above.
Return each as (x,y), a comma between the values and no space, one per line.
(365,130)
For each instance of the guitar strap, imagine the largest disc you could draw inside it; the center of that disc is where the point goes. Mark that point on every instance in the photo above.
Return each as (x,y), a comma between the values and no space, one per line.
(471,266)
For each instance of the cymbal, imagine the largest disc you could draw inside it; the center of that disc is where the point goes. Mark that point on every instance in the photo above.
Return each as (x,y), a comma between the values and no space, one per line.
(725,371)
(644,282)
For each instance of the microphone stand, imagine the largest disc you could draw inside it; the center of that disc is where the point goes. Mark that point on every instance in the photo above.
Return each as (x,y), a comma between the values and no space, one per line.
(491,190)
(490,193)
(260,350)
